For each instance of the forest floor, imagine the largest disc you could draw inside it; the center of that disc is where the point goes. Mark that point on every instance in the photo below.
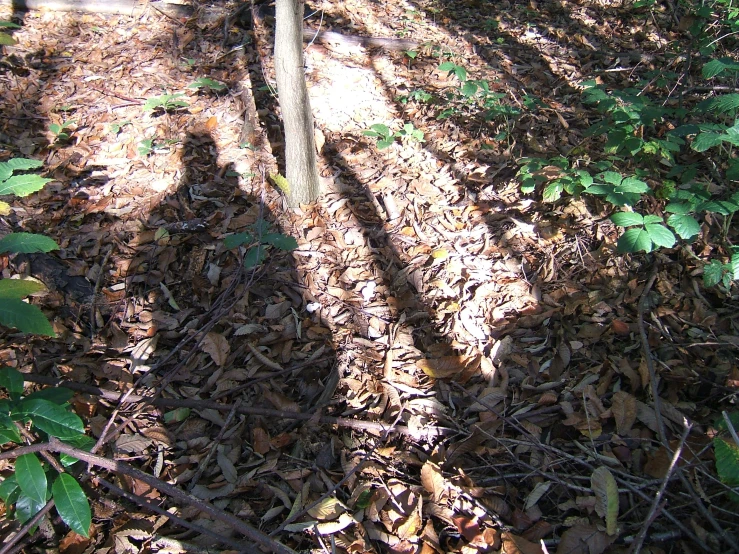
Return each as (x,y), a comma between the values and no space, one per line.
(443,364)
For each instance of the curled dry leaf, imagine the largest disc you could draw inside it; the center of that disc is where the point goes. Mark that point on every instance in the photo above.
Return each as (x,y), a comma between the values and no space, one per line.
(623,406)
(442,368)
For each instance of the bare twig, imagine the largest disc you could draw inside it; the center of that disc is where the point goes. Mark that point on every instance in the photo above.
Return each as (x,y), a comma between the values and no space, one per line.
(7,547)
(255,535)
(637,544)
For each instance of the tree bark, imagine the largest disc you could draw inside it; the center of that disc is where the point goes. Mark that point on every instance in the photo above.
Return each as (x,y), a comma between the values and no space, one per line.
(301,167)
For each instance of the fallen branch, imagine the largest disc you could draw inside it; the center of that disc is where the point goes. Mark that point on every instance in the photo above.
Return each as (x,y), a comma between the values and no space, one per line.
(118,7)
(358,425)
(55,445)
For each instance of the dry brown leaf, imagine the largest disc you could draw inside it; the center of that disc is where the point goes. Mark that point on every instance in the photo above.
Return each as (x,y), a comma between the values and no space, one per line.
(584,539)
(623,406)
(513,544)
(260,440)
(327,509)
(442,368)
(433,481)
(217,346)
(279,400)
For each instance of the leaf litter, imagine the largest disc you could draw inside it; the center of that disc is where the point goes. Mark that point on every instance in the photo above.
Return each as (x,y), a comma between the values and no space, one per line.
(441,365)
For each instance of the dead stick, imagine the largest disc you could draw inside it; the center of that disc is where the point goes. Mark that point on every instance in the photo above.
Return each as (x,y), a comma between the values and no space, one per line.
(372,426)
(55,445)
(636,545)
(141,501)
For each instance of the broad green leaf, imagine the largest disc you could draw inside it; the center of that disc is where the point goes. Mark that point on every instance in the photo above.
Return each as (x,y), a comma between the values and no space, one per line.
(704,141)
(283,242)
(27,318)
(51,418)
(652,219)
(72,504)
(8,430)
(716,67)
(611,177)
(9,25)
(385,143)
(83,442)
(685,226)
(553,191)
(255,256)
(713,273)
(18,288)
(23,185)
(469,89)
(237,239)
(7,40)
(632,184)
(381,130)
(660,235)
(11,380)
(9,490)
(17,164)
(177,415)
(31,477)
(627,219)
(635,240)
(734,263)
(727,461)
(585,178)
(57,395)
(725,103)
(26,243)
(26,507)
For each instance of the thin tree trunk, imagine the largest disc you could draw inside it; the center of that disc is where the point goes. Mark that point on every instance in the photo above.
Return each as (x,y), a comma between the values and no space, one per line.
(300,149)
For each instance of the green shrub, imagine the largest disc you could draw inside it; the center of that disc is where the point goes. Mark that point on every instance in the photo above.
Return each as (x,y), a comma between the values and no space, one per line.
(34,483)
(14,312)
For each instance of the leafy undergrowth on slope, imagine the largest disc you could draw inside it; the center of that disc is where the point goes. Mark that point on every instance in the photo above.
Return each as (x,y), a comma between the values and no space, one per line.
(482,348)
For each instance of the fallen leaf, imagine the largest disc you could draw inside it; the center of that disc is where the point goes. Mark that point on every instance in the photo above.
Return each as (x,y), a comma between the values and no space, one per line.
(217,346)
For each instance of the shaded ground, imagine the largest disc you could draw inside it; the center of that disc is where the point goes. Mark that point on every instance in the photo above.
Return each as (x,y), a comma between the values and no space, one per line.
(482,347)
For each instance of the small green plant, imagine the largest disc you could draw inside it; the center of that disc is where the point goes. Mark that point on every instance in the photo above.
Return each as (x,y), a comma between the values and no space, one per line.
(418,95)
(207,84)
(146,147)
(257,240)
(165,103)
(726,450)
(386,136)
(33,483)
(5,38)
(14,312)
(62,131)
(116,128)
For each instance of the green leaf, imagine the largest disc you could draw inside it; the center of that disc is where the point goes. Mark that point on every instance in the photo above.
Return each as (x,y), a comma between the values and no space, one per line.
(72,504)
(611,177)
(50,418)
(632,184)
(704,141)
(255,256)
(7,40)
(685,226)
(725,103)
(384,143)
(9,490)
(660,235)
(31,477)
(237,239)
(83,442)
(9,25)
(57,395)
(553,191)
(27,318)
(17,164)
(605,489)
(734,263)
(18,288)
(283,242)
(8,430)
(635,240)
(382,130)
(26,243)
(469,89)
(23,185)
(727,461)
(205,82)
(11,380)
(177,415)
(627,219)
(713,273)
(26,508)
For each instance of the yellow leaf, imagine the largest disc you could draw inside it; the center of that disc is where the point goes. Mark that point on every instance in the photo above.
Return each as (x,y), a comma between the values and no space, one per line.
(327,509)
(440,254)
(280,182)
(4,208)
